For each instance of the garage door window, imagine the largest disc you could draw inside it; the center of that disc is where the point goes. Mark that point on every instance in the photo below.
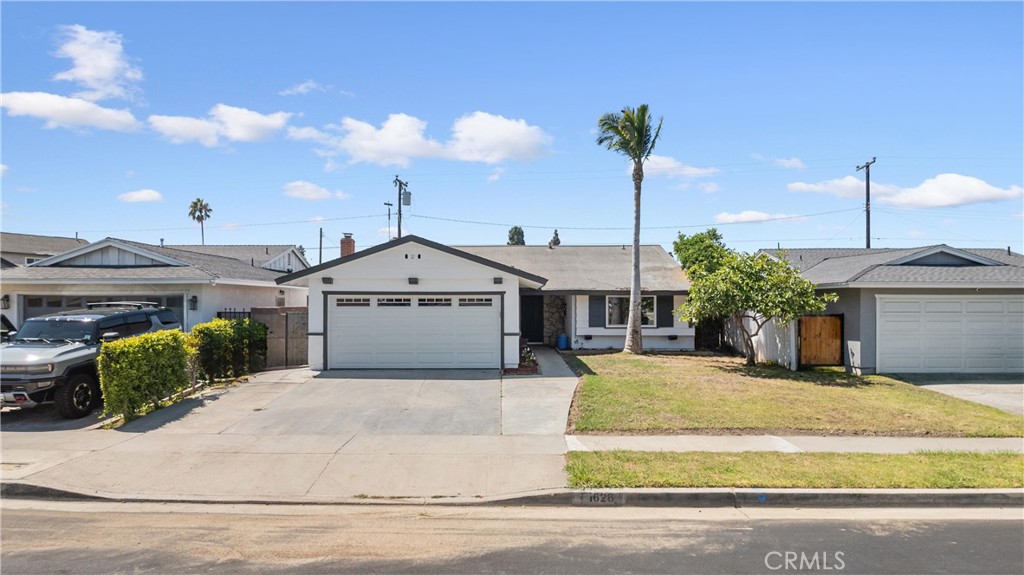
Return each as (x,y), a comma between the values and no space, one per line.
(394,302)
(353,302)
(434,302)
(475,302)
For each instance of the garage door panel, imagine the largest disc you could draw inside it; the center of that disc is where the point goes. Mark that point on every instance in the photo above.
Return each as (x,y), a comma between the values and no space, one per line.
(432,331)
(947,334)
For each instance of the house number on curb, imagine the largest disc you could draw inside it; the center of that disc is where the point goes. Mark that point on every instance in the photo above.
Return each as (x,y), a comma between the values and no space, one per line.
(598,499)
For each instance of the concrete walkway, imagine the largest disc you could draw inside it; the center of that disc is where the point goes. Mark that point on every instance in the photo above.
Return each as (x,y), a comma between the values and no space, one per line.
(299,436)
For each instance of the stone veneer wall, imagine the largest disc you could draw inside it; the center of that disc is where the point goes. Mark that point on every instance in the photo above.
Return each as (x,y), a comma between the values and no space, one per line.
(554,318)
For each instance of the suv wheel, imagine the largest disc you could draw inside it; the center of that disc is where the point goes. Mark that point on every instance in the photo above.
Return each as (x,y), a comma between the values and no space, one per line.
(77,396)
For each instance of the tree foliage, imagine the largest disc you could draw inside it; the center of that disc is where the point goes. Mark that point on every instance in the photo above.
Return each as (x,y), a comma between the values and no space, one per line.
(706,250)
(200,211)
(632,133)
(516,236)
(752,290)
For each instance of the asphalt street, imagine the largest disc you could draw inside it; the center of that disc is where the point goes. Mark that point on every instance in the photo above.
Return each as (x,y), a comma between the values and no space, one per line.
(72,538)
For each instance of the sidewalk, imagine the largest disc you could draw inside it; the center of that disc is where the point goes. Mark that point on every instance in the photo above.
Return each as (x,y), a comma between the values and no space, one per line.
(250,443)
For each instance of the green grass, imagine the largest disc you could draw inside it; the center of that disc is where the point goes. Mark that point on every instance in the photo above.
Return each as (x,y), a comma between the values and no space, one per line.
(663,394)
(936,470)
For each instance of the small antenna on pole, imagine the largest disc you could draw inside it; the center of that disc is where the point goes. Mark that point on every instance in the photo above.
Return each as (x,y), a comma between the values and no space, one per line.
(404,198)
(867,200)
(389,205)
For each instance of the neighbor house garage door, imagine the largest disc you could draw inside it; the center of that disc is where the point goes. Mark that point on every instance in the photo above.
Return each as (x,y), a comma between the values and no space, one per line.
(414,331)
(950,334)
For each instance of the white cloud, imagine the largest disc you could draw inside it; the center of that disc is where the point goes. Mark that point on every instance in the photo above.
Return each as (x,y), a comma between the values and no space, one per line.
(793,163)
(709,187)
(950,190)
(227,122)
(748,216)
(316,219)
(668,166)
(3,170)
(496,175)
(310,191)
(141,196)
(476,137)
(944,190)
(303,88)
(182,129)
(98,64)
(389,232)
(483,137)
(63,112)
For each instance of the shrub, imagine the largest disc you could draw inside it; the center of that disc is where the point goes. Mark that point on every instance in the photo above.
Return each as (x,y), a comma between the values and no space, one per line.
(136,371)
(230,348)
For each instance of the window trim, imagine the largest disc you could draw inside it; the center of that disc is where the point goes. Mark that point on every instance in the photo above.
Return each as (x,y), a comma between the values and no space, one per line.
(654,312)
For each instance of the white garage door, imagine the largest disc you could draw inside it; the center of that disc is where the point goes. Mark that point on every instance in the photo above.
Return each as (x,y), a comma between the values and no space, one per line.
(950,334)
(414,331)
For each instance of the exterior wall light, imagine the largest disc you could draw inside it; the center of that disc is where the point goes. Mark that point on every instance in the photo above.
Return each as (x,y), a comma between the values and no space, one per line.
(193,303)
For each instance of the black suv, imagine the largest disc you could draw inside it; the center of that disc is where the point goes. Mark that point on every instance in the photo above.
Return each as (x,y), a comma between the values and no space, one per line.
(53,357)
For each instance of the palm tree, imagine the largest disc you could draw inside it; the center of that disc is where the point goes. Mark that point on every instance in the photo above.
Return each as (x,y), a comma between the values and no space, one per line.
(631,134)
(200,211)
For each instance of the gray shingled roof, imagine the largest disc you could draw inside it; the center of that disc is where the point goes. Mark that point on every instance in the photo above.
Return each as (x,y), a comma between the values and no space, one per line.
(260,254)
(853,266)
(201,267)
(38,245)
(589,268)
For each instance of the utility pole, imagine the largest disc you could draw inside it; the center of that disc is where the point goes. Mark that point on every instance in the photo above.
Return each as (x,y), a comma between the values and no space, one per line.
(389,205)
(321,245)
(867,200)
(404,198)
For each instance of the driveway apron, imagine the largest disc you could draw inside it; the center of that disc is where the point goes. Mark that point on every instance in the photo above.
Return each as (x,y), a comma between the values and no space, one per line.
(1003,391)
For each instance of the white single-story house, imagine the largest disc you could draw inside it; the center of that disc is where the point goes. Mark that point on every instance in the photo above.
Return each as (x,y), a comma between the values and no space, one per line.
(196,282)
(414,303)
(905,310)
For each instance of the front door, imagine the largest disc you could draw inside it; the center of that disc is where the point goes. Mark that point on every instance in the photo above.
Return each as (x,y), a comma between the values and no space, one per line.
(531,318)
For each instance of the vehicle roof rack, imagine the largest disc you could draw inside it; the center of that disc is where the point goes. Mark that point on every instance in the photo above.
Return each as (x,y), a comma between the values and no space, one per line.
(129,304)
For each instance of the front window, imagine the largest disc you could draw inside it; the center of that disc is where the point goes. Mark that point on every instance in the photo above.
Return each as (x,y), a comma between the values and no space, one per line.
(618,311)
(42,330)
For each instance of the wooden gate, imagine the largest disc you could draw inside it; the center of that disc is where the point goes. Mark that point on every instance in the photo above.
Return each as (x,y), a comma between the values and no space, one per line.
(821,340)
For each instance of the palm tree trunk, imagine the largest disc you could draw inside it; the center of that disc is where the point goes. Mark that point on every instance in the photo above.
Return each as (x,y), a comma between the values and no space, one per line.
(202,232)
(634,336)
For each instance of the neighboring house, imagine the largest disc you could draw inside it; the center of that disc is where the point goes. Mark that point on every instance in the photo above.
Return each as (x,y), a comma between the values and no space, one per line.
(414,303)
(280,258)
(195,284)
(925,309)
(23,249)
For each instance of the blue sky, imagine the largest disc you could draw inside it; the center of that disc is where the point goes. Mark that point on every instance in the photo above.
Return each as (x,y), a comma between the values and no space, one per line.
(287,118)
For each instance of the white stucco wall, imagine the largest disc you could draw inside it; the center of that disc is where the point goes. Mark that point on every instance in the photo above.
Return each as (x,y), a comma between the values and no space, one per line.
(389,271)
(776,342)
(654,338)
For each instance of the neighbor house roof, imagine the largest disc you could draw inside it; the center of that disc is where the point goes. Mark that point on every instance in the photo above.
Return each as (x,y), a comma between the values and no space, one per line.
(940,264)
(591,268)
(257,255)
(187,266)
(32,244)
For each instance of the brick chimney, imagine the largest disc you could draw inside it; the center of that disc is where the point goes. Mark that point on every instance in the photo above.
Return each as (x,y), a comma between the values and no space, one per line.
(348,245)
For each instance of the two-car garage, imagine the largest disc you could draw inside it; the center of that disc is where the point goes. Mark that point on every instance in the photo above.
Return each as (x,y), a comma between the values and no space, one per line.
(414,330)
(950,333)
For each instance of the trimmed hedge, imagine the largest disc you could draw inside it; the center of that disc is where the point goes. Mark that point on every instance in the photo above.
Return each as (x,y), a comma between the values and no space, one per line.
(230,348)
(136,371)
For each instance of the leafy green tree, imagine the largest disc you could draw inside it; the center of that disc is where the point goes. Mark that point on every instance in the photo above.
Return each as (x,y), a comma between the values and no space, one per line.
(555,240)
(516,236)
(706,250)
(752,290)
(632,134)
(200,211)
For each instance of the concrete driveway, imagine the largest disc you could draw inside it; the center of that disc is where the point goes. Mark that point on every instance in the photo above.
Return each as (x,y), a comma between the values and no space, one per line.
(1002,391)
(300,436)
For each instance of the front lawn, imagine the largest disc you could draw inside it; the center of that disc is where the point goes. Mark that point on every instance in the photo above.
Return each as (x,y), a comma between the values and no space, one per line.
(680,394)
(932,470)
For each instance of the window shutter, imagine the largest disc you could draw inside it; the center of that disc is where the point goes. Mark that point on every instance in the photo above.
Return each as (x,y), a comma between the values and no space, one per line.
(665,316)
(597,311)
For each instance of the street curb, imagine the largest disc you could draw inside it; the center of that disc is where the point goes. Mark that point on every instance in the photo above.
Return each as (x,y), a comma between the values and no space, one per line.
(684,498)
